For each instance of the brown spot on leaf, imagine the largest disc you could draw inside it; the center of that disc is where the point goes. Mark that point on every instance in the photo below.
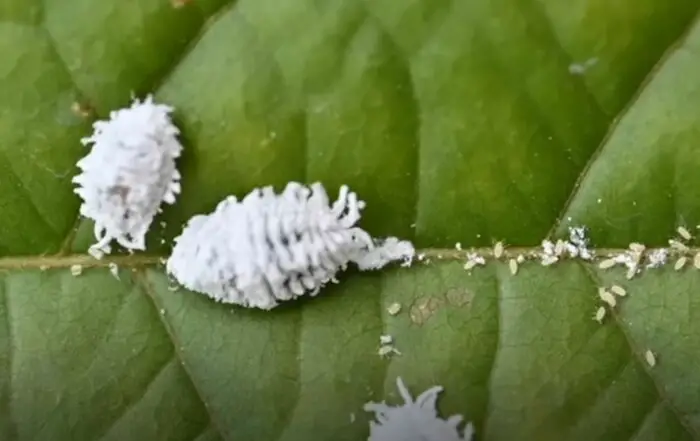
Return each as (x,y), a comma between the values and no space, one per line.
(424,308)
(459,297)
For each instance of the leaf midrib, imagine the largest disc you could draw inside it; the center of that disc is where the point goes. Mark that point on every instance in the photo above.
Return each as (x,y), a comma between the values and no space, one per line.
(531,254)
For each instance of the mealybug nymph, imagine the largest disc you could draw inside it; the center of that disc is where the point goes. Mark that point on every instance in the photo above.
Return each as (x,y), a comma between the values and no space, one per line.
(415,420)
(269,247)
(128,173)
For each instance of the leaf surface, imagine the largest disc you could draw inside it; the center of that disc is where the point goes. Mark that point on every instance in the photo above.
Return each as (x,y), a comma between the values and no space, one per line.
(454,121)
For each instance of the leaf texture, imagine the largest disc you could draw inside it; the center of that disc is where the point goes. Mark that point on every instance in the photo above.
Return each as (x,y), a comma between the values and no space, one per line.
(456,121)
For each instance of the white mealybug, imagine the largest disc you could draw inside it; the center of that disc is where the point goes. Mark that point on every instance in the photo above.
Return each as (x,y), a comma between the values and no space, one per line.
(599,314)
(607,297)
(680,263)
(650,358)
(607,263)
(415,420)
(498,249)
(269,247)
(618,290)
(513,266)
(129,172)
(684,233)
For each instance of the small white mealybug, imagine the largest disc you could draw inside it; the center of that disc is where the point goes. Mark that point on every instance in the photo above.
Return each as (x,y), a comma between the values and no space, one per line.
(607,297)
(678,246)
(513,266)
(599,314)
(394,308)
(129,172)
(650,358)
(415,420)
(696,261)
(618,290)
(498,249)
(680,263)
(76,269)
(607,263)
(274,247)
(684,233)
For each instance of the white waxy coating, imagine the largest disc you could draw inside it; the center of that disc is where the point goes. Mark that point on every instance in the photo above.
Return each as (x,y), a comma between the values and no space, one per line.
(415,420)
(128,173)
(268,248)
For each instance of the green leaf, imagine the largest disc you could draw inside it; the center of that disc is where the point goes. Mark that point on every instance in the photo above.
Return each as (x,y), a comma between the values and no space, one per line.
(454,121)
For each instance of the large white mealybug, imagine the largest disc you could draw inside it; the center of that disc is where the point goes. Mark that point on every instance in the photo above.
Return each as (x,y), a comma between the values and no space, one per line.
(273,247)
(415,420)
(128,173)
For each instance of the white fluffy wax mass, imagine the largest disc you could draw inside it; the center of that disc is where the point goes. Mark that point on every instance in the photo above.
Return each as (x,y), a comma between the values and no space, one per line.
(129,171)
(415,420)
(272,247)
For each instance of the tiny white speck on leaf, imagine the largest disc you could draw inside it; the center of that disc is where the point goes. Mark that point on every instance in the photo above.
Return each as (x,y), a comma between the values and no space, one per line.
(458,246)
(696,261)
(650,358)
(43,267)
(272,247)
(386,339)
(81,110)
(352,418)
(129,171)
(581,68)
(474,260)
(520,258)
(76,270)
(388,350)
(394,308)
(415,420)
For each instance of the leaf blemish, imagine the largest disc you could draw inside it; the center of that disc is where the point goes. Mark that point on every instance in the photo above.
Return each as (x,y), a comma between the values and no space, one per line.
(423,309)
